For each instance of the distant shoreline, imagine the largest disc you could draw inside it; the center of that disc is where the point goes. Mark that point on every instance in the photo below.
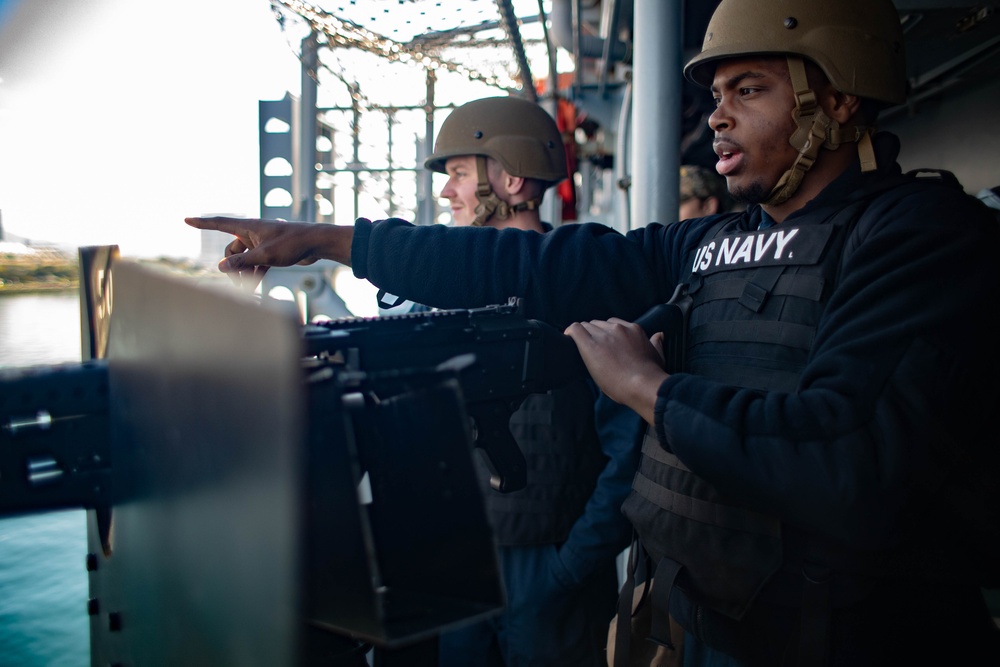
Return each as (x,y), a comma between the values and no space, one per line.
(37,288)
(48,275)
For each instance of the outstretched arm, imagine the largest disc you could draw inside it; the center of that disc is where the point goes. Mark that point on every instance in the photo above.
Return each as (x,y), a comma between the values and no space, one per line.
(260,244)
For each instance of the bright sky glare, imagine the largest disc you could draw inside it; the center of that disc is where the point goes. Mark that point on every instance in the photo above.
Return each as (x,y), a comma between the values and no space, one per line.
(119,118)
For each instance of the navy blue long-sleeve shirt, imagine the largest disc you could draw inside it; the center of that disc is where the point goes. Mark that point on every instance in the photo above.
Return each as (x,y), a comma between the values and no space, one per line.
(905,352)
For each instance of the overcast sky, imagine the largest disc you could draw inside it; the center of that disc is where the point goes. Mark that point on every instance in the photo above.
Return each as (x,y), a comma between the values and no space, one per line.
(118,118)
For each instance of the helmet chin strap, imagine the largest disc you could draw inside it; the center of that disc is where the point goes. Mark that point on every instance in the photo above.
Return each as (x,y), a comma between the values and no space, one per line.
(816,130)
(490,205)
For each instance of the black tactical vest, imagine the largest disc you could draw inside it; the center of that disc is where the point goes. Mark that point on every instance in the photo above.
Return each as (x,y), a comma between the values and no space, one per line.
(556,434)
(757,297)
(756,300)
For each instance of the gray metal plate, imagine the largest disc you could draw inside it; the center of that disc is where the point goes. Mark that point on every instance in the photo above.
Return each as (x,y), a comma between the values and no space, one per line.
(207,421)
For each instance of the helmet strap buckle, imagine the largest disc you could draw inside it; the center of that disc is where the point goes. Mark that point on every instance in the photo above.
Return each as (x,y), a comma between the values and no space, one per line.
(488,200)
(816,130)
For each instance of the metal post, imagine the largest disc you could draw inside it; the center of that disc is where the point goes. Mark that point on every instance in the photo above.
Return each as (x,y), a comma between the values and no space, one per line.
(577,13)
(609,39)
(553,88)
(356,150)
(622,219)
(425,212)
(330,133)
(305,206)
(656,111)
(278,145)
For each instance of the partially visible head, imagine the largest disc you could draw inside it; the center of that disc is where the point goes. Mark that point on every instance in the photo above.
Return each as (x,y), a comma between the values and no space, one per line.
(702,192)
(854,46)
(462,191)
(501,153)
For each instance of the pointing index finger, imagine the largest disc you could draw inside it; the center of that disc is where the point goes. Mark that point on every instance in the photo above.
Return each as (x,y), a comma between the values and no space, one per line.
(219,223)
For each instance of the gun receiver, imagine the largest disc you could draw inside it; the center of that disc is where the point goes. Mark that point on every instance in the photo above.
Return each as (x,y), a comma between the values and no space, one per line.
(499,355)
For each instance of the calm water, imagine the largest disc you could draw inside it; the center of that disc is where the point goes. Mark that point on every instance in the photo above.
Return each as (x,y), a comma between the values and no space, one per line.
(43,582)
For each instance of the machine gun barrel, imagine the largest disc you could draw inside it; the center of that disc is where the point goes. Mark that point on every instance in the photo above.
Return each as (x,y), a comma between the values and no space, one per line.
(55,438)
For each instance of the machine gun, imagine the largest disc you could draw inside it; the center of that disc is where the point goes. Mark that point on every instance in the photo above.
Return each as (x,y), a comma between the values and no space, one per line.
(352,473)
(61,415)
(499,356)
(61,423)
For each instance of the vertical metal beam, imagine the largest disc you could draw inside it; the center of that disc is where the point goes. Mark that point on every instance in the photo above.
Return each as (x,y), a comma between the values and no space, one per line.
(305,170)
(577,14)
(622,218)
(425,178)
(356,144)
(551,210)
(656,111)
(329,133)
(609,39)
(278,145)
(550,49)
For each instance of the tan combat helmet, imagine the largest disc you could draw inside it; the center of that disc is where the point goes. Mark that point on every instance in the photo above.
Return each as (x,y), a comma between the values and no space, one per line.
(518,134)
(857,43)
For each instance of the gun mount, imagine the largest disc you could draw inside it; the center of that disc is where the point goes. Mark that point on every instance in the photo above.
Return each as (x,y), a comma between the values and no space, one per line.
(242,496)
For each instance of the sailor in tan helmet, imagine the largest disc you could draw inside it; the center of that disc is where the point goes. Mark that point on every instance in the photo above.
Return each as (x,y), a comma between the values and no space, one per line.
(500,154)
